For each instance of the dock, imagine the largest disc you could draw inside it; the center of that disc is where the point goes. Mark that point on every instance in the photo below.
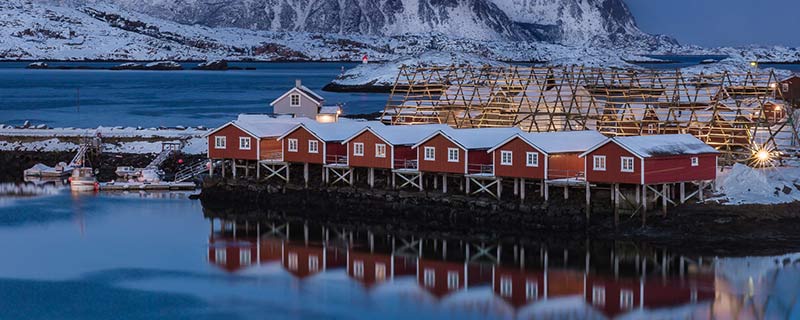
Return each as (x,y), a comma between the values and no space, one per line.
(127,186)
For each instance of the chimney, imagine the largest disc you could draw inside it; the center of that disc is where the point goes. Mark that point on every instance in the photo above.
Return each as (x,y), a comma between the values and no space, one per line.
(298,83)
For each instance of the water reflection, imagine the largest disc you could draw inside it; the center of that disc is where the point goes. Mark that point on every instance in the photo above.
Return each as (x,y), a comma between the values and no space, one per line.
(598,280)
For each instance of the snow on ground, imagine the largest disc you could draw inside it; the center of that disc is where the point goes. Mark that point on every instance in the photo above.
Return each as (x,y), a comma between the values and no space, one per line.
(745,185)
(115,140)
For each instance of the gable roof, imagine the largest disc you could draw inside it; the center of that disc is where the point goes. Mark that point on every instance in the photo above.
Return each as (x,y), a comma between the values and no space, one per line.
(659,145)
(516,136)
(303,90)
(402,134)
(335,131)
(474,138)
(565,141)
(262,127)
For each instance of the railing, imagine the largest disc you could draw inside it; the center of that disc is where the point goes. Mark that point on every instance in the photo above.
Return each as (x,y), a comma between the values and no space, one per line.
(335,159)
(272,156)
(192,170)
(406,164)
(475,168)
(564,174)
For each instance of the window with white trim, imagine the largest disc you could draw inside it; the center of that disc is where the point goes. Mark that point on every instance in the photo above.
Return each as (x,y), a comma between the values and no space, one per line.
(380,272)
(785,87)
(506,287)
(220,256)
(626,164)
(625,299)
(452,154)
(651,128)
(220,142)
(294,100)
(430,153)
(599,163)
(292,145)
(292,261)
(532,159)
(429,278)
(531,290)
(599,296)
(313,146)
(452,280)
(244,143)
(313,263)
(244,258)
(358,269)
(358,149)
(695,161)
(506,158)
(380,150)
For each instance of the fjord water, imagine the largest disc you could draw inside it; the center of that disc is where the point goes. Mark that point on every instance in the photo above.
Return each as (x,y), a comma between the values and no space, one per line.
(159,256)
(90,98)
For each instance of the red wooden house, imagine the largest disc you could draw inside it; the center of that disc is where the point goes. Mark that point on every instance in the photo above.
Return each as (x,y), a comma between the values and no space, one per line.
(646,160)
(547,155)
(615,297)
(461,151)
(319,143)
(387,147)
(305,259)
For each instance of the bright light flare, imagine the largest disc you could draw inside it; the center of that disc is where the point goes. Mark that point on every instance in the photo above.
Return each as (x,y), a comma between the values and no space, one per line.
(763,157)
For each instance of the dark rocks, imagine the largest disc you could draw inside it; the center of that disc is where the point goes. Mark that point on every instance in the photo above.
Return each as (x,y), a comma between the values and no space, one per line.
(37,65)
(214,65)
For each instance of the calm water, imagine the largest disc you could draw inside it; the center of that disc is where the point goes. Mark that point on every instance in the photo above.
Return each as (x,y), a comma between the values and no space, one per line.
(160,98)
(157,257)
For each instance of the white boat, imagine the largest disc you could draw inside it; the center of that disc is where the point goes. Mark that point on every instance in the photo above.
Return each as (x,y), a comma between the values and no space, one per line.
(83,179)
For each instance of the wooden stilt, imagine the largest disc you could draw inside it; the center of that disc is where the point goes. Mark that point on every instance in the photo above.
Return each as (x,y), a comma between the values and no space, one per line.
(616,203)
(247,168)
(233,165)
(683,192)
(638,198)
(210,168)
(444,183)
(420,181)
(588,202)
(664,199)
(305,173)
(644,204)
(546,191)
(522,189)
(700,191)
(466,182)
(223,168)
(516,186)
(435,182)
(566,192)
(499,188)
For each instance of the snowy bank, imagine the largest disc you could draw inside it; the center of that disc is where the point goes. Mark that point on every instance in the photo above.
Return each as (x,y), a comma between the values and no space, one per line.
(115,139)
(745,185)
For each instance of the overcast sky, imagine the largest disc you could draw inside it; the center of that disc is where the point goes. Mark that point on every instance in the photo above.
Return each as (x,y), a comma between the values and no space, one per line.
(721,22)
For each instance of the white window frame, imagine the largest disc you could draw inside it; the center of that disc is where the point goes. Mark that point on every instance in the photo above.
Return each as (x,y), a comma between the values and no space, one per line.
(244,143)
(313,146)
(358,149)
(695,161)
(506,287)
(245,258)
(785,87)
(220,142)
(452,155)
(429,153)
(531,290)
(429,278)
(596,160)
(358,269)
(651,128)
(599,296)
(626,160)
(532,159)
(220,255)
(380,150)
(292,98)
(452,280)
(292,145)
(625,299)
(503,160)
(380,271)
(313,263)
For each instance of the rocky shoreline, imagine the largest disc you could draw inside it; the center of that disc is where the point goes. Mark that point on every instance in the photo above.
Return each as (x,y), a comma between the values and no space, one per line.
(697,228)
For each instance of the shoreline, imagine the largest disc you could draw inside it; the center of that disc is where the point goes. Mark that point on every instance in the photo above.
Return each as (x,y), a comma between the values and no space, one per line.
(705,228)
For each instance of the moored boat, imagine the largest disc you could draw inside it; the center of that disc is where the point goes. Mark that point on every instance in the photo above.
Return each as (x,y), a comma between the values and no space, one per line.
(83,179)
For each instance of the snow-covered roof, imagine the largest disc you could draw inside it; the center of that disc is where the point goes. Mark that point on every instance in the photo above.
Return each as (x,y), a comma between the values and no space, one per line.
(402,134)
(565,141)
(329,110)
(335,131)
(659,145)
(480,138)
(308,93)
(262,126)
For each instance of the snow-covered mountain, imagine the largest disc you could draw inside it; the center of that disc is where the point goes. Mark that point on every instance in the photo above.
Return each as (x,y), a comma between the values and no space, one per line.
(556,21)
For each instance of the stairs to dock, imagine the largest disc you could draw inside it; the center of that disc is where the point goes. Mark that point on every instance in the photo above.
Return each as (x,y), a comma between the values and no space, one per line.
(192,171)
(156,163)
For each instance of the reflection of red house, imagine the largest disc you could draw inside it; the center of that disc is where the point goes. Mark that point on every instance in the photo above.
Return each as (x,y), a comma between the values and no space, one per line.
(370,268)
(441,278)
(619,296)
(304,260)
(518,287)
(235,255)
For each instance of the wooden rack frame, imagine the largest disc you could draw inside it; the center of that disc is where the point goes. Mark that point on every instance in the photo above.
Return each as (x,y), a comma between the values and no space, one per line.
(736,113)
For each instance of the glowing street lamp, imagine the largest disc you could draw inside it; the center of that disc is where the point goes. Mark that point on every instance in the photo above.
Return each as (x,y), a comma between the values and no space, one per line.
(754,64)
